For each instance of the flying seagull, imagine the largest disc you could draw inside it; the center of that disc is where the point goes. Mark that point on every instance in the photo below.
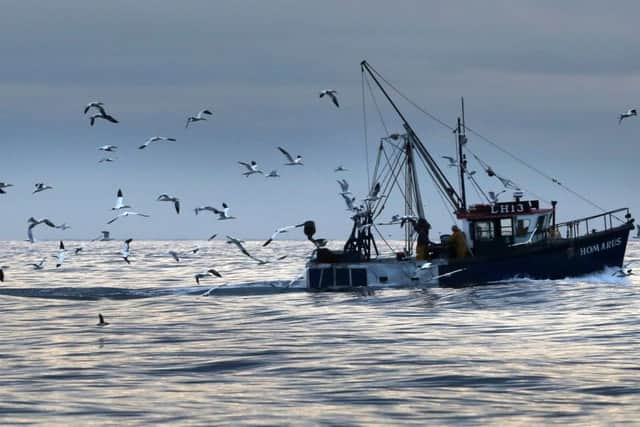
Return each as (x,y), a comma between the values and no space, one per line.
(273,174)
(205,208)
(206,273)
(349,200)
(630,113)
(106,160)
(198,117)
(155,139)
(104,116)
(110,148)
(213,236)
(127,213)
(60,255)
(42,187)
(126,250)
(98,105)
(493,196)
(35,222)
(39,265)
(333,94)
(291,161)
(374,193)
(452,162)
(63,226)
(77,250)
(120,202)
(340,169)
(101,321)
(224,213)
(238,243)
(280,231)
(167,198)
(344,186)
(4,185)
(252,168)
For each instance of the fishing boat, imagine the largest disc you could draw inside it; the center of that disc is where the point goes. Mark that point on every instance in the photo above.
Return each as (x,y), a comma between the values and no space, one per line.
(517,238)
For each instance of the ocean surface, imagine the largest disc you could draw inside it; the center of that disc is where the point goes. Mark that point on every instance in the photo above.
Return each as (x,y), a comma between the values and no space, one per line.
(257,352)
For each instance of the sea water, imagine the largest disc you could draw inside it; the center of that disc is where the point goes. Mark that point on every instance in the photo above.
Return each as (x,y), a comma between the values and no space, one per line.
(257,352)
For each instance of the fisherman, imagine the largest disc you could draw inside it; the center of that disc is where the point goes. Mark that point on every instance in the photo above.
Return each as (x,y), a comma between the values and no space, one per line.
(458,243)
(422,228)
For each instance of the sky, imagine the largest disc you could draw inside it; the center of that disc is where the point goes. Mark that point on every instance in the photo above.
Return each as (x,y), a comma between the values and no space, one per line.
(544,79)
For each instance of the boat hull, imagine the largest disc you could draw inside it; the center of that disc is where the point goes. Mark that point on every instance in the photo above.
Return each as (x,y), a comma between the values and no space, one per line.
(552,259)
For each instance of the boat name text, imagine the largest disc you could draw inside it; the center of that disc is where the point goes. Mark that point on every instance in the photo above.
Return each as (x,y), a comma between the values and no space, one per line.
(598,247)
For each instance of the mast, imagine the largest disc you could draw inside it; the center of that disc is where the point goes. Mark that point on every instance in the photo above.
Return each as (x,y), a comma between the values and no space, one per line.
(462,160)
(416,146)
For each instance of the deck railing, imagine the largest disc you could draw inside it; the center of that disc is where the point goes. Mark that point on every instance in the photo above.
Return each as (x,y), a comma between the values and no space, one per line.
(590,224)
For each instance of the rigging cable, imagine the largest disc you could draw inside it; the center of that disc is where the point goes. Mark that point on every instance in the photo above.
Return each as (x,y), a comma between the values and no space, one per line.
(366,139)
(489,141)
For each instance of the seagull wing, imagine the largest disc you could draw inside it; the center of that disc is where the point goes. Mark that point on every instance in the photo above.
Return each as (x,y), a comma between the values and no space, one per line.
(176,204)
(286,153)
(246,165)
(334,98)
(113,220)
(48,222)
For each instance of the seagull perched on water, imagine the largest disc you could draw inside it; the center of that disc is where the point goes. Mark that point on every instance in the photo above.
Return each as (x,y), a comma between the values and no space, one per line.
(127,213)
(452,162)
(630,113)
(35,222)
(340,169)
(198,117)
(120,202)
(42,187)
(333,94)
(280,231)
(126,250)
(167,198)
(252,168)
(206,273)
(4,185)
(101,321)
(60,255)
(273,174)
(39,265)
(155,139)
(291,161)
(110,148)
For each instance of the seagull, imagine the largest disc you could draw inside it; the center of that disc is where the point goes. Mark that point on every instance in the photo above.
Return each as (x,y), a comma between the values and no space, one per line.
(224,213)
(206,273)
(155,139)
(374,193)
(205,208)
(39,265)
(332,93)
(63,226)
(76,251)
(251,168)
(110,148)
(340,169)
(4,185)
(175,255)
(291,161)
(101,321)
(344,186)
(104,238)
(167,198)
(126,250)
(273,174)
(107,160)
(127,213)
(212,237)
(98,105)
(452,162)
(60,255)
(120,202)
(630,113)
(349,201)
(103,115)
(493,196)
(35,222)
(267,261)
(238,244)
(280,231)
(42,187)
(198,117)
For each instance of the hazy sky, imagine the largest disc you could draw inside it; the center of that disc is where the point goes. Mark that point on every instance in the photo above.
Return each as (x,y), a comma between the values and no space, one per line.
(545,79)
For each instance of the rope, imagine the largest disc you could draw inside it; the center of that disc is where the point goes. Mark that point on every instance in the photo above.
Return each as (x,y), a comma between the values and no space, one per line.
(366,139)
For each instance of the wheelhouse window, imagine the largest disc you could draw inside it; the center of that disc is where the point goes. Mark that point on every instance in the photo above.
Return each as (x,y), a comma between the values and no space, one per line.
(484,230)
(506,227)
(523,227)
